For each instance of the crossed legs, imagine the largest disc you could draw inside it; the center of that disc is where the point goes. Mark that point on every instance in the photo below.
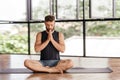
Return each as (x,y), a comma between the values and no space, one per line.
(36,66)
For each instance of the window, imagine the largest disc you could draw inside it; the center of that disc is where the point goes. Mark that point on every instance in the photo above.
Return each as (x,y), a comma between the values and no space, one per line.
(90,27)
(101,8)
(13,10)
(40,8)
(13,38)
(66,9)
(117,8)
(103,39)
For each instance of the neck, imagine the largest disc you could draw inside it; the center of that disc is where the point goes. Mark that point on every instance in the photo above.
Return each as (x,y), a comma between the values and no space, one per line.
(48,32)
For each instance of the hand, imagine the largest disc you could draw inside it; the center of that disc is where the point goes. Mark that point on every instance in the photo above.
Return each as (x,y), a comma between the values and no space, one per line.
(50,37)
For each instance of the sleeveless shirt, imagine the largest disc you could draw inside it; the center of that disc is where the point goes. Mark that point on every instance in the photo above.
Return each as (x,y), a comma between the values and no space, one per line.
(50,52)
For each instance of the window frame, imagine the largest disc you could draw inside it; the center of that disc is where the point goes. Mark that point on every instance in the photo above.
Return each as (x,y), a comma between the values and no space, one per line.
(29,20)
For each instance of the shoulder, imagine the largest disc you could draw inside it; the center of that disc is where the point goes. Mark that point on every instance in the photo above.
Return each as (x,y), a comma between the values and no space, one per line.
(59,32)
(40,33)
(61,35)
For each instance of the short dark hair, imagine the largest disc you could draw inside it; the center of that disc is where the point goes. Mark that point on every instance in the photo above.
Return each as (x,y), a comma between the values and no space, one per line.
(49,18)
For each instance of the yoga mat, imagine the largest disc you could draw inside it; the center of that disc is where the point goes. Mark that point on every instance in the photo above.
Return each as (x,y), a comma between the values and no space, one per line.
(73,70)
(89,70)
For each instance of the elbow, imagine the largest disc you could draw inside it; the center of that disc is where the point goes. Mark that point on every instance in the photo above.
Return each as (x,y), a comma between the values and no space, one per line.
(63,50)
(37,50)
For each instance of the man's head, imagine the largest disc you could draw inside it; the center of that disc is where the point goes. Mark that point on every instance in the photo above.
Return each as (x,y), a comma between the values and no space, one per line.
(49,22)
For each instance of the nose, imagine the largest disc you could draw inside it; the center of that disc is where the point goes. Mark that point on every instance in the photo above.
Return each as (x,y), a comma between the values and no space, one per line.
(50,26)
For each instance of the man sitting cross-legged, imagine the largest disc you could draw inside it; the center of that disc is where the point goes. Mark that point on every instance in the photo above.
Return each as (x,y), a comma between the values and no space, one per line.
(49,42)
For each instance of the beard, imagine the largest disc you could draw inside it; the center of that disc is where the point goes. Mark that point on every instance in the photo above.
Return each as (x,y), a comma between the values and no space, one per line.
(48,29)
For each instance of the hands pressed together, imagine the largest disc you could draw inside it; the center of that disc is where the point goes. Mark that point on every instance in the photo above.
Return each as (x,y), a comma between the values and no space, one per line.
(50,36)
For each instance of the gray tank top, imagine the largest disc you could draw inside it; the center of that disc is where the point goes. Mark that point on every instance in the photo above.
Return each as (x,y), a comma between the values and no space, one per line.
(50,52)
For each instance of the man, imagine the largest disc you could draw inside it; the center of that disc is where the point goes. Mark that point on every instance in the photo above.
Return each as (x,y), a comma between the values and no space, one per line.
(49,43)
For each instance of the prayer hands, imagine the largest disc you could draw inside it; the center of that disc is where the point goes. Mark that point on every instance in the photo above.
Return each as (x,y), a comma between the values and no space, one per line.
(50,37)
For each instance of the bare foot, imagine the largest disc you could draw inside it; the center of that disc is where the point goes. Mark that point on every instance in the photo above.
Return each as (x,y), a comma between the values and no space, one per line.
(55,70)
(47,66)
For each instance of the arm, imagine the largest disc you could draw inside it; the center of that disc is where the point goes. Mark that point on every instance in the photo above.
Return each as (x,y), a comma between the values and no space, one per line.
(61,45)
(38,44)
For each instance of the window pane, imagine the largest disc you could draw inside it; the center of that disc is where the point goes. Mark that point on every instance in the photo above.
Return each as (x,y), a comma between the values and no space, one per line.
(103,39)
(80,8)
(13,38)
(12,9)
(87,9)
(101,8)
(66,9)
(117,8)
(40,8)
(72,32)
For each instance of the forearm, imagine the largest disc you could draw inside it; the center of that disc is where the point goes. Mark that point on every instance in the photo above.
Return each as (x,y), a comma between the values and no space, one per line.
(59,47)
(39,47)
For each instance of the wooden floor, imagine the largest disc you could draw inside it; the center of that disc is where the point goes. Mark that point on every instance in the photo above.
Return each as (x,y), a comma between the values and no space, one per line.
(16,61)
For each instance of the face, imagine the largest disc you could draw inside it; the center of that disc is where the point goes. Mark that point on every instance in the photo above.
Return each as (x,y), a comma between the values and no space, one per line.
(50,25)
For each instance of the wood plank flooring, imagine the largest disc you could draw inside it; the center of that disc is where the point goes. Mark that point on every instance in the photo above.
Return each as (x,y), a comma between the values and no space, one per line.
(16,61)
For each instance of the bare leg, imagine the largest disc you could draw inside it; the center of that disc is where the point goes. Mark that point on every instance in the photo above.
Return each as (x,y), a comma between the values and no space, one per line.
(62,66)
(36,66)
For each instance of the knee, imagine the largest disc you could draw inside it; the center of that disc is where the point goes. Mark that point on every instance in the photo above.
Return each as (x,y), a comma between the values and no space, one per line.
(26,62)
(70,63)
